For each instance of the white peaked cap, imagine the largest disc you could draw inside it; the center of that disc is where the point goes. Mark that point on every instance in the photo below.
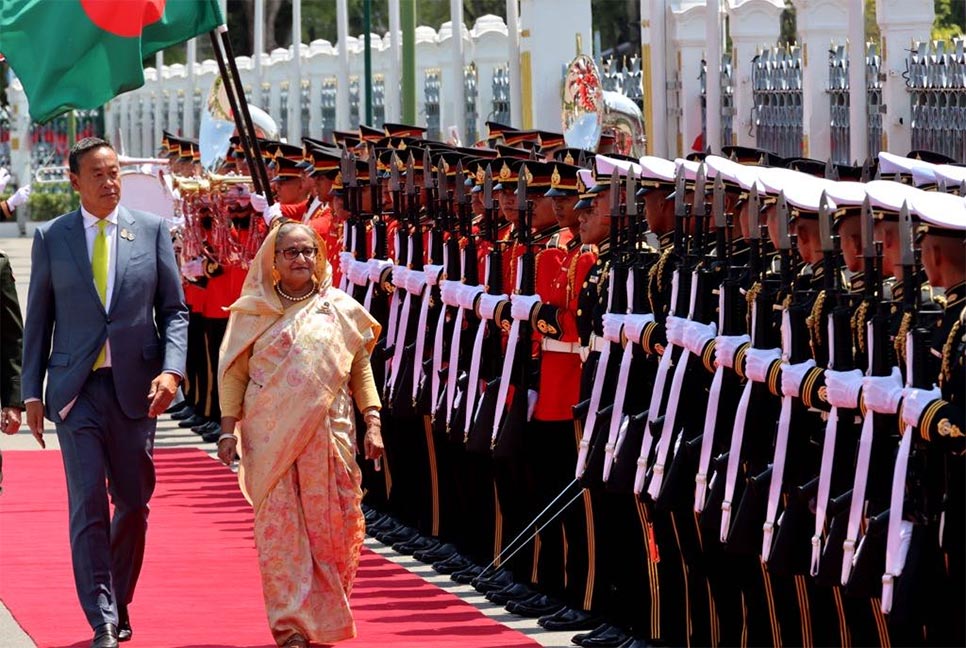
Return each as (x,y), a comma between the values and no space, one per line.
(952,175)
(656,168)
(586,176)
(845,193)
(690,168)
(611,166)
(889,195)
(941,210)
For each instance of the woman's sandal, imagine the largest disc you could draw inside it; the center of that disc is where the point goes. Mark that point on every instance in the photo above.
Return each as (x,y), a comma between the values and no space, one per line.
(296,641)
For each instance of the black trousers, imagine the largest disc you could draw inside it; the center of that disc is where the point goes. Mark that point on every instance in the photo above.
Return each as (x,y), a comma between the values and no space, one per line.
(196,366)
(214,334)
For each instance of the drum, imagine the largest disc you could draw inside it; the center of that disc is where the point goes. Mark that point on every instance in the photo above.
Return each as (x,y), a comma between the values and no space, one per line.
(146,192)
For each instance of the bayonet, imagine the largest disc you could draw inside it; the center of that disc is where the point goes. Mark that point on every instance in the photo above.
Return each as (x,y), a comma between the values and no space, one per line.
(784,238)
(488,188)
(410,177)
(907,253)
(394,181)
(867,231)
(631,195)
(427,170)
(717,203)
(825,225)
(459,187)
(680,207)
(754,213)
(615,199)
(700,180)
(831,173)
(522,191)
(441,180)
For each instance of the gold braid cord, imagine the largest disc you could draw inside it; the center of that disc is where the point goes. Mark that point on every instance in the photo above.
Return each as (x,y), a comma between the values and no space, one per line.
(814,323)
(946,369)
(858,326)
(900,342)
(750,297)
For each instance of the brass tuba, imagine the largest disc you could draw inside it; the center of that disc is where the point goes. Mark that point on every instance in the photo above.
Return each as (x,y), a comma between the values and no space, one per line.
(589,111)
(217,126)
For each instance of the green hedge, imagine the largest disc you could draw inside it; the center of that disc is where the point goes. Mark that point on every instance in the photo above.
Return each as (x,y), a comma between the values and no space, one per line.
(49,201)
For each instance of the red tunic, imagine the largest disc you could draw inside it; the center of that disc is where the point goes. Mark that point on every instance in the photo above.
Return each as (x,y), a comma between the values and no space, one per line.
(560,274)
(295,211)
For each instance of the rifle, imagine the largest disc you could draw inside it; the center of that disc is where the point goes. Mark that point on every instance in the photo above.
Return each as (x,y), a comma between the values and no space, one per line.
(416,253)
(465,220)
(380,247)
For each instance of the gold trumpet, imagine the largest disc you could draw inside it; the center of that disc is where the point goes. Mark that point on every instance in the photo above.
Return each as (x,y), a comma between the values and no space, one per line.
(209,183)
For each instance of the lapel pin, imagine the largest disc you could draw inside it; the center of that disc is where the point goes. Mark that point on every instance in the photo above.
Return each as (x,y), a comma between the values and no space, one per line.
(127,234)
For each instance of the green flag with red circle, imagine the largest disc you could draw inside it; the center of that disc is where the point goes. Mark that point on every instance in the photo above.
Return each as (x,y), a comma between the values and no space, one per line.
(82,53)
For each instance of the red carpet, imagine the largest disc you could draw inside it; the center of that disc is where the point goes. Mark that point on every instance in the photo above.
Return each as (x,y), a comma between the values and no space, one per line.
(200,584)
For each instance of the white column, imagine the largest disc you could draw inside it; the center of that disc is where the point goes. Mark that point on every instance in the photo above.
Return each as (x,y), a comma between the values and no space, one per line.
(822,24)
(393,93)
(858,99)
(258,38)
(295,81)
(713,28)
(189,95)
(342,71)
(513,57)
(654,74)
(689,41)
(753,24)
(548,39)
(159,105)
(458,91)
(901,23)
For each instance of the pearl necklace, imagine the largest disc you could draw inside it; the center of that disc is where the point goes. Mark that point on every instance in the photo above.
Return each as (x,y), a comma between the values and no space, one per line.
(282,294)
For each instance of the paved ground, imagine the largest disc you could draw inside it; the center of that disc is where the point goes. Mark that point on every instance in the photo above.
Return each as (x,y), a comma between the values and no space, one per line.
(170,436)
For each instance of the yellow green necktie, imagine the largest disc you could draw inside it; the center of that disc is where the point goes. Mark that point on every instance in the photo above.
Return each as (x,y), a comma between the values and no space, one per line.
(99,266)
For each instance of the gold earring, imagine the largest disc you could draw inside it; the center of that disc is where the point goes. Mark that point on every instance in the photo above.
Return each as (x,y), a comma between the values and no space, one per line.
(276,276)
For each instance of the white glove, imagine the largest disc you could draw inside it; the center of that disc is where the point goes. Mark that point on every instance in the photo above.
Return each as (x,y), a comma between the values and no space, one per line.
(882,394)
(793,375)
(192,269)
(675,330)
(399,275)
(4,178)
(758,361)
(725,348)
(613,327)
(358,273)
(375,268)
(488,305)
(634,326)
(914,401)
(467,296)
(19,198)
(432,273)
(697,335)
(531,403)
(271,213)
(522,306)
(415,282)
(449,292)
(843,388)
(258,202)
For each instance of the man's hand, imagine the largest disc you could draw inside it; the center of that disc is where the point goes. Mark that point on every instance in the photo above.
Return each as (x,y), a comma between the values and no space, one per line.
(163,388)
(10,420)
(35,421)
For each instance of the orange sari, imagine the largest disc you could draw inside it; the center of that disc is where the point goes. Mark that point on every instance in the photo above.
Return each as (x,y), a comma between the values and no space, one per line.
(297,449)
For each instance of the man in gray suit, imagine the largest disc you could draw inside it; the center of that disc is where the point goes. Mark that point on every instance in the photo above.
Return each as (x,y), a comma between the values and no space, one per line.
(107,325)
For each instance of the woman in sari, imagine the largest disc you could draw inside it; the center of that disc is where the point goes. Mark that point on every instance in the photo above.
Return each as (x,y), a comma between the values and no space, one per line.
(295,355)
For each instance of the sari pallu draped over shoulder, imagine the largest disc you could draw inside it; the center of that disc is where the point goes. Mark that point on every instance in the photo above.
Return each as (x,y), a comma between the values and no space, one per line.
(301,358)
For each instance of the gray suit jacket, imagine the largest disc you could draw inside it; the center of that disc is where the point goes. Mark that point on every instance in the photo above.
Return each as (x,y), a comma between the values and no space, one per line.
(67,324)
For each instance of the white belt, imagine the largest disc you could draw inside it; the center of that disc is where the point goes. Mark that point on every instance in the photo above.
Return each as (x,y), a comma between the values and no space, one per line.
(559,347)
(597,344)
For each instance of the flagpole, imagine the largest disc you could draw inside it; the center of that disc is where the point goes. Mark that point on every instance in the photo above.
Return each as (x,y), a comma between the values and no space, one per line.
(240,112)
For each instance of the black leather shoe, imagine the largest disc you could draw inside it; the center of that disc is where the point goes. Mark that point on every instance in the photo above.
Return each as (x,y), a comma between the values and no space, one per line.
(418,543)
(634,642)
(105,636)
(569,619)
(174,409)
(490,581)
(192,421)
(581,637)
(204,427)
(466,575)
(451,565)
(185,412)
(535,606)
(211,436)
(441,552)
(400,534)
(514,592)
(612,637)
(124,632)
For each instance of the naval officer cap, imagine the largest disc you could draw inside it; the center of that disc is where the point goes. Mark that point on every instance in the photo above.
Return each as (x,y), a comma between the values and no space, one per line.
(585,180)
(941,214)
(886,198)
(608,166)
(848,196)
(951,176)
(656,173)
